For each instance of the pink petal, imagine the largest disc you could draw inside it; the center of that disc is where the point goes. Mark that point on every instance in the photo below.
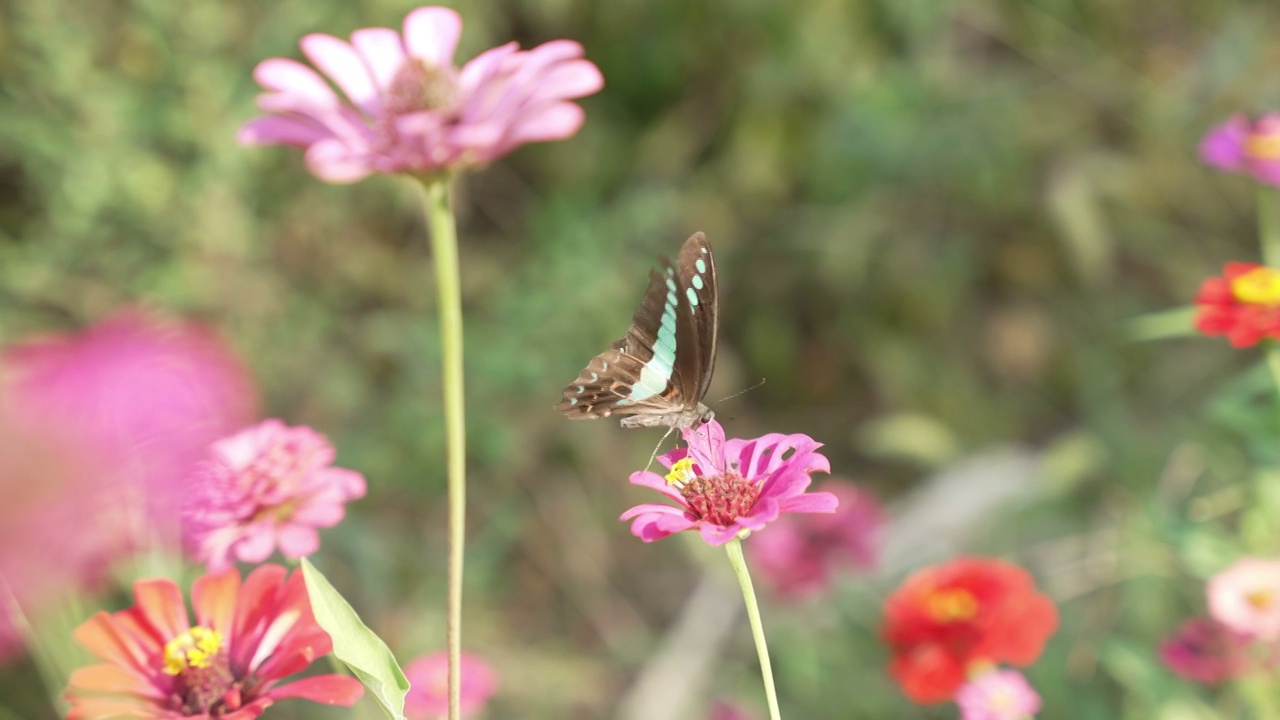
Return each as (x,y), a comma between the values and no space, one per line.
(213,597)
(655,526)
(651,509)
(342,63)
(568,80)
(277,130)
(785,483)
(480,68)
(553,122)
(293,78)
(297,540)
(320,514)
(759,457)
(706,447)
(1223,147)
(814,502)
(431,34)
(715,535)
(336,162)
(327,689)
(382,52)
(256,543)
(112,678)
(653,481)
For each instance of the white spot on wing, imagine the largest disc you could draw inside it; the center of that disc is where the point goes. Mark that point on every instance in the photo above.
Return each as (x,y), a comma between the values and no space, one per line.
(697,280)
(693,298)
(702,266)
(581,389)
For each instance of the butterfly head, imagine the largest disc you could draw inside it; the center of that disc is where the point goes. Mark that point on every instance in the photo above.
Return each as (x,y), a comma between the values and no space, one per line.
(705,415)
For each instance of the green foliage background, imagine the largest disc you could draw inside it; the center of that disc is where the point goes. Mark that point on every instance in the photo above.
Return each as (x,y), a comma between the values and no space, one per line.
(933,220)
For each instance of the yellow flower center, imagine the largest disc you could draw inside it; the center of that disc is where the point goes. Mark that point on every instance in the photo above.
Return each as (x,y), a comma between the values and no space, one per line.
(1262,147)
(194,648)
(1260,286)
(1260,599)
(681,472)
(948,606)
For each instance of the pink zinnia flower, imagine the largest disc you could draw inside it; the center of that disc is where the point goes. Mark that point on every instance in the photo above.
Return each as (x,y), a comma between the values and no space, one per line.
(429,685)
(724,710)
(725,488)
(1246,598)
(1208,652)
(246,639)
(1246,146)
(997,695)
(408,109)
(799,555)
(267,486)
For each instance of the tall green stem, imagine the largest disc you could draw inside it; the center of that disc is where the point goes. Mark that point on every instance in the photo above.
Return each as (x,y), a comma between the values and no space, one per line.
(739,564)
(444,249)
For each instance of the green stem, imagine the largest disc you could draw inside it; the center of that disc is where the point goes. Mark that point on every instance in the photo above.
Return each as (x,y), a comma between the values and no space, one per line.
(1269,224)
(739,564)
(444,249)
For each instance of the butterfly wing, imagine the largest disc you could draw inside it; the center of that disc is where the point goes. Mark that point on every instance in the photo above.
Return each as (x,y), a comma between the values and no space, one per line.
(663,366)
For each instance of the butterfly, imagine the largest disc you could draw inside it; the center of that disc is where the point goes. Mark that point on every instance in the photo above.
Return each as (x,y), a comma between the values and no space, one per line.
(658,373)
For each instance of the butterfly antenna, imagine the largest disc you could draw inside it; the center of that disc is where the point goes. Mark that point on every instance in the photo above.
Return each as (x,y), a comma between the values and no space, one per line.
(656,447)
(740,392)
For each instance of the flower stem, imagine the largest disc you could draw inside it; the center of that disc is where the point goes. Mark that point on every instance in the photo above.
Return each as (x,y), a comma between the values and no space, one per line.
(444,249)
(739,563)
(1269,238)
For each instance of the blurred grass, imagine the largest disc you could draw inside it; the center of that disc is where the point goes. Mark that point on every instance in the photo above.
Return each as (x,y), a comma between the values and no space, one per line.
(933,222)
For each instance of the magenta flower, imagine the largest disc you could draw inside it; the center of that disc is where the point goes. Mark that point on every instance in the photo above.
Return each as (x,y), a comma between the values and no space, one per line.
(799,555)
(724,710)
(1246,146)
(997,695)
(268,486)
(408,109)
(1209,652)
(726,488)
(94,427)
(1246,598)
(429,685)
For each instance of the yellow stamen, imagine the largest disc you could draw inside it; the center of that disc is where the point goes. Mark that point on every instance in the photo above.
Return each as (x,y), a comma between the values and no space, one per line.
(1260,599)
(681,472)
(948,606)
(1260,286)
(193,648)
(1262,147)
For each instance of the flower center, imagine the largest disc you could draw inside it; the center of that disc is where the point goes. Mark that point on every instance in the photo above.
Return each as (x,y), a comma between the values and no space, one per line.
(1260,599)
(719,499)
(1262,147)
(202,672)
(681,472)
(1260,286)
(948,606)
(418,86)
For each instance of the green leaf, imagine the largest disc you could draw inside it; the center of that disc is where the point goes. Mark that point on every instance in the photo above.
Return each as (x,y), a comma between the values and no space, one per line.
(356,645)
(1162,325)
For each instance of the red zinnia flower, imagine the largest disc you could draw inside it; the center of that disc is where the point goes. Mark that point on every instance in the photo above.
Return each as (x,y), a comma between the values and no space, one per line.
(1244,304)
(946,621)
(227,666)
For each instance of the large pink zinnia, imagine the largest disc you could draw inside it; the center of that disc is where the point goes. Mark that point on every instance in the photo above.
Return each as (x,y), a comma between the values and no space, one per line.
(96,429)
(246,639)
(265,487)
(408,109)
(725,488)
(428,696)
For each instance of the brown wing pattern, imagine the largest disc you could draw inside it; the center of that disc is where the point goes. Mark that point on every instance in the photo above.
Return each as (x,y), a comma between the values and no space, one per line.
(696,334)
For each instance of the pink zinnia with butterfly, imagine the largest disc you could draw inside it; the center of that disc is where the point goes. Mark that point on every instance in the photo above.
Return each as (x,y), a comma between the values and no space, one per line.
(725,489)
(403,107)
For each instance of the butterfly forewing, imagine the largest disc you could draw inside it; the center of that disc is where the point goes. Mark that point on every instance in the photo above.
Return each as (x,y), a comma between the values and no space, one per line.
(662,367)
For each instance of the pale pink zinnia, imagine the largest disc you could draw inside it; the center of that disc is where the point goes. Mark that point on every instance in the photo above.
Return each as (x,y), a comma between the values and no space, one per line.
(1246,598)
(405,107)
(230,665)
(428,696)
(726,488)
(800,554)
(997,695)
(268,486)
(1246,146)
(1209,652)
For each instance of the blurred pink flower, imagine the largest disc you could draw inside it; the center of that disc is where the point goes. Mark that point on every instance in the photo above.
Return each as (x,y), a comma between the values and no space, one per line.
(1207,652)
(724,710)
(96,427)
(1246,598)
(429,685)
(725,488)
(408,109)
(1246,146)
(997,695)
(267,486)
(799,555)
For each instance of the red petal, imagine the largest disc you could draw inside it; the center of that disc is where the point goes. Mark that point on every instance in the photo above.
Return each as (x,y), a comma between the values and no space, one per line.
(160,602)
(214,598)
(327,689)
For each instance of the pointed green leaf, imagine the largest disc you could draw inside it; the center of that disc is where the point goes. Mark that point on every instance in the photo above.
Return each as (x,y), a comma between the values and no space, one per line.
(356,645)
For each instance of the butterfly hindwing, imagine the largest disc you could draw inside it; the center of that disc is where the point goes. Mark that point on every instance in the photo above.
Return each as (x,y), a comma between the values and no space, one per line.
(662,367)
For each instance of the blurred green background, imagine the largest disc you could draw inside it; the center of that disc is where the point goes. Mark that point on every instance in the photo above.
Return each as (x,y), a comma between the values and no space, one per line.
(934,220)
